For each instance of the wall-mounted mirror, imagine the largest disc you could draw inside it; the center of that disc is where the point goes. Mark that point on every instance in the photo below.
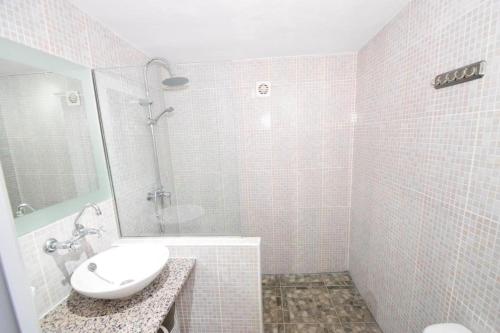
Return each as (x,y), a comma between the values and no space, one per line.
(50,144)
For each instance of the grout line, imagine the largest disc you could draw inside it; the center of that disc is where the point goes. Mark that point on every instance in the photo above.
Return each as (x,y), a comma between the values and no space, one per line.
(271,167)
(221,139)
(419,235)
(281,304)
(351,161)
(462,226)
(217,249)
(259,290)
(469,182)
(297,249)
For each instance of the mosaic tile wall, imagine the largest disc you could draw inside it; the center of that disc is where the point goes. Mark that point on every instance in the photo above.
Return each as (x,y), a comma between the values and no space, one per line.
(223,293)
(56,27)
(425,241)
(424,197)
(279,166)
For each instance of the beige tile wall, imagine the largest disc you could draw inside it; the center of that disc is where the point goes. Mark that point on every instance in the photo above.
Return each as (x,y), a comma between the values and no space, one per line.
(277,166)
(223,293)
(424,242)
(424,233)
(58,28)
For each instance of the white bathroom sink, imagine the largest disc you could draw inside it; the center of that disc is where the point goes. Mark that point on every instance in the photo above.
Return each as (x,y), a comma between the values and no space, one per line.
(120,271)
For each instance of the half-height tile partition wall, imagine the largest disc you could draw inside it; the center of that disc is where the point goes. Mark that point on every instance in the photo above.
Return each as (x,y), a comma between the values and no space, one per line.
(426,186)
(281,163)
(224,293)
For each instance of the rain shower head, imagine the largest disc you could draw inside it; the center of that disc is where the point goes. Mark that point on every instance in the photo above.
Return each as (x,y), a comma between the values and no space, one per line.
(172,82)
(175,82)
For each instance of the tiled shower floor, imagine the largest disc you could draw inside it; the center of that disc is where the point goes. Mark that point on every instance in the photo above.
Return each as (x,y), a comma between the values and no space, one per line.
(314,303)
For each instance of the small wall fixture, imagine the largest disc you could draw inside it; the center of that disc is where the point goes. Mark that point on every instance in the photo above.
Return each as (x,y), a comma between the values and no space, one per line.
(263,89)
(463,74)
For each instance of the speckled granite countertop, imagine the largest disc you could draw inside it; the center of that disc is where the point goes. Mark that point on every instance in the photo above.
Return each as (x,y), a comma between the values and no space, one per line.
(143,312)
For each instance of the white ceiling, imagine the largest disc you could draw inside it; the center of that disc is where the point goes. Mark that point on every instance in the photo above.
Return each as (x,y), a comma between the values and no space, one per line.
(210,30)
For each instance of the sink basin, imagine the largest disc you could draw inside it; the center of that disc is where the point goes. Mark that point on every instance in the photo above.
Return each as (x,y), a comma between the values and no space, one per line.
(120,271)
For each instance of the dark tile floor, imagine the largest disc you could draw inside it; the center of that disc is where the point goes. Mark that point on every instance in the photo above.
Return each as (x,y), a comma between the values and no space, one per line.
(314,303)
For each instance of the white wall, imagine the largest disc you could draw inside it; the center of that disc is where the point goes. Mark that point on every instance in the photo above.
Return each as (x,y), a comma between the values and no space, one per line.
(7,314)
(16,295)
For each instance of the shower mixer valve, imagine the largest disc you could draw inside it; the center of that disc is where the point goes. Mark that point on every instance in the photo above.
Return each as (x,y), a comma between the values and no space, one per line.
(159,194)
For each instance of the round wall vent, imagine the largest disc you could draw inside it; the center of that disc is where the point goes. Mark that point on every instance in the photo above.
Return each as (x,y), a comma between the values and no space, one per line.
(263,89)
(72,98)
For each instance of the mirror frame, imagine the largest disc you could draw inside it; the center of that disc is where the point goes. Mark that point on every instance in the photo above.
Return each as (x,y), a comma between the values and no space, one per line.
(40,218)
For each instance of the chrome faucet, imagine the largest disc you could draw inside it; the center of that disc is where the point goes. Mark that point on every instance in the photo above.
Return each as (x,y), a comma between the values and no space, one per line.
(157,196)
(21,209)
(79,228)
(79,232)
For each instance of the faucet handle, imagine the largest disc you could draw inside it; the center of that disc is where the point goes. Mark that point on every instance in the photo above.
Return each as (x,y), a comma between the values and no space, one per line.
(74,246)
(101,231)
(50,245)
(78,228)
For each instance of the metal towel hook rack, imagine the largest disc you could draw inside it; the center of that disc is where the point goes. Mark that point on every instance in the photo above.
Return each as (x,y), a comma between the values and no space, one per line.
(461,75)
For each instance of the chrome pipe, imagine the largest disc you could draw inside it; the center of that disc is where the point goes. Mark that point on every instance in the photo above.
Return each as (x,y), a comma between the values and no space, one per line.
(152,122)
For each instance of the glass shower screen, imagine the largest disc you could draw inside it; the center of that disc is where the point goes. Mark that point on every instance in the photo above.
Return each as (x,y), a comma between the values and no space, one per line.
(197,156)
